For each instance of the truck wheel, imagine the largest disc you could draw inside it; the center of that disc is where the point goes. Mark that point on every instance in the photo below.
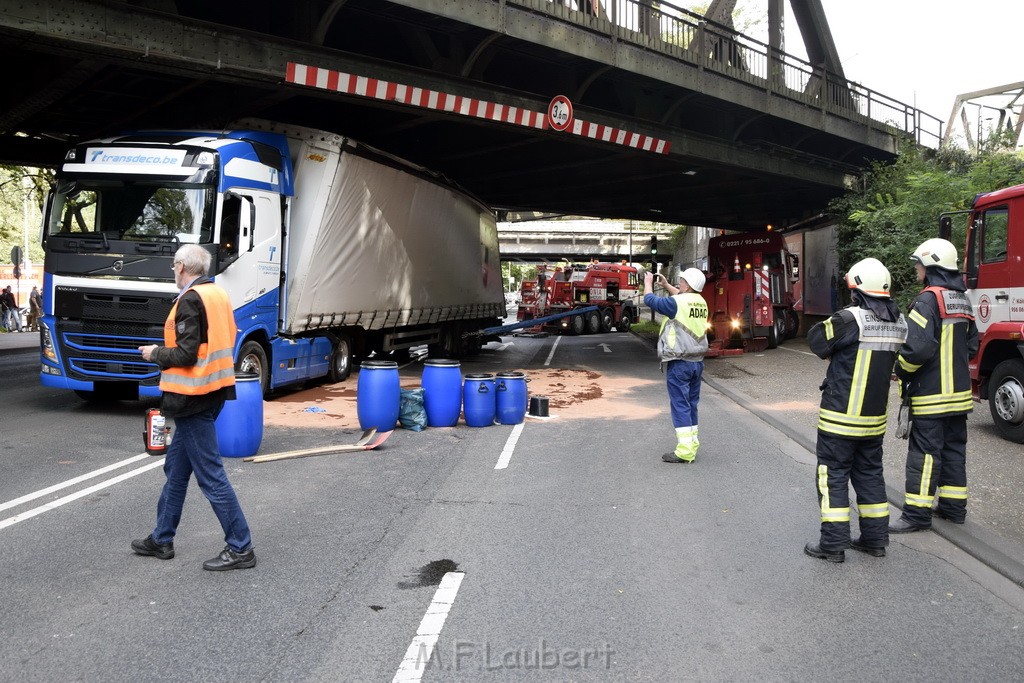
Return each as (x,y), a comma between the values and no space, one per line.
(253,359)
(625,322)
(607,320)
(777,332)
(1006,399)
(341,360)
(593,321)
(576,324)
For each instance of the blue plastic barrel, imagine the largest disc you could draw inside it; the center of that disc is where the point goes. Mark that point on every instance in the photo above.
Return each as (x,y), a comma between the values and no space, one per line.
(240,423)
(478,400)
(510,388)
(378,395)
(442,392)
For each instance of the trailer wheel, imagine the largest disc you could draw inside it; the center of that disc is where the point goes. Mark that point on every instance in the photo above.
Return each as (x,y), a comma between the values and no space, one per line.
(341,360)
(576,324)
(1006,399)
(253,359)
(625,322)
(593,321)
(607,320)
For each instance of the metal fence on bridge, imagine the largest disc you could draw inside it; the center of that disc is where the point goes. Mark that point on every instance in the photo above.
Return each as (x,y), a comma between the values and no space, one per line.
(689,37)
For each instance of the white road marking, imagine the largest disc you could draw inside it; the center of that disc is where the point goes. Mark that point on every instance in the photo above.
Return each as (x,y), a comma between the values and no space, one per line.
(553,347)
(422,647)
(510,445)
(11,521)
(607,349)
(71,482)
(806,353)
(506,345)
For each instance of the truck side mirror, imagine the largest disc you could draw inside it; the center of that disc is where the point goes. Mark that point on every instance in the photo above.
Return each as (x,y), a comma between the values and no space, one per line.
(247,222)
(44,227)
(945,227)
(794,267)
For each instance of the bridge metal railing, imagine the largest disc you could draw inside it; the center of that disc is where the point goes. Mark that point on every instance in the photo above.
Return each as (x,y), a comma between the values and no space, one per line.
(705,44)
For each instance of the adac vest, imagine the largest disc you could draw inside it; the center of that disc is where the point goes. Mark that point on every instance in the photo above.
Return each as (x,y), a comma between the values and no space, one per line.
(215,367)
(684,337)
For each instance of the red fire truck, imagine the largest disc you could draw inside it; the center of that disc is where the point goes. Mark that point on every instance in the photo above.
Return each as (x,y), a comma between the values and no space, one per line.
(750,292)
(994,274)
(612,287)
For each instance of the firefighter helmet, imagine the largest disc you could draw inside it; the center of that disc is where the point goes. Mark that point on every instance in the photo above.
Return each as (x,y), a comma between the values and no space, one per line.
(936,252)
(694,278)
(870,277)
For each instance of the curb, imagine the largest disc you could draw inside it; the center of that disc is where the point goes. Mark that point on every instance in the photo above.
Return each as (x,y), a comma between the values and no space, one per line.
(976,541)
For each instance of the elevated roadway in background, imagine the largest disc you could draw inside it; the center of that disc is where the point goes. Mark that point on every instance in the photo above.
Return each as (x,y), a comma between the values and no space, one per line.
(582,240)
(677,118)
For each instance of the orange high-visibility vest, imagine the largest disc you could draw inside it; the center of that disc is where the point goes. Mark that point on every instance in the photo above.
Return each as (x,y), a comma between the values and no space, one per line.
(215,365)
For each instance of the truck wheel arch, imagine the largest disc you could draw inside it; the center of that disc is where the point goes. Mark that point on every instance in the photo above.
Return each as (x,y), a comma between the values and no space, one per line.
(253,357)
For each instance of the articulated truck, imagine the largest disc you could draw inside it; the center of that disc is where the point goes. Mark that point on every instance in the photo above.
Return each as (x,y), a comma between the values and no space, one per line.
(329,250)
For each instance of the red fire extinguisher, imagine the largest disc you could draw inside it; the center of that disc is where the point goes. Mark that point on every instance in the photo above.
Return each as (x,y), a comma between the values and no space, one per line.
(155,434)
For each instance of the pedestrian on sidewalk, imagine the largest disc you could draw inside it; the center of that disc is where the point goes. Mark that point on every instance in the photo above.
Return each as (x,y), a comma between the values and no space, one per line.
(12,317)
(934,373)
(35,307)
(197,377)
(860,342)
(682,343)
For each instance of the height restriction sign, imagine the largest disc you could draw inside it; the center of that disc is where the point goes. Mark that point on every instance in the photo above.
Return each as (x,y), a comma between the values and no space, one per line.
(560,112)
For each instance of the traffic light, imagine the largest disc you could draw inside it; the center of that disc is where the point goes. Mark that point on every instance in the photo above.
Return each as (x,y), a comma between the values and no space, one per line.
(654,245)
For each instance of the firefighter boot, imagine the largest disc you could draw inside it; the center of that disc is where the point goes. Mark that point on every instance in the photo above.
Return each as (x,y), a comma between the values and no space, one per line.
(815,550)
(859,545)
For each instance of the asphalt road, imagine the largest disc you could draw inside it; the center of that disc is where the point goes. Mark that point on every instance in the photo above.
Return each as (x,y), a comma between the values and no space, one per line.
(586,558)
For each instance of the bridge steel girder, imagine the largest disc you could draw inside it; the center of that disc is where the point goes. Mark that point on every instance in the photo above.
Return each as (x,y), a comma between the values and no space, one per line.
(519,22)
(180,45)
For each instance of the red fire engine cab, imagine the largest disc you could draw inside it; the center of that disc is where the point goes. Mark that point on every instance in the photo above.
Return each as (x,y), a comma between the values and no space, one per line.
(750,292)
(612,287)
(994,274)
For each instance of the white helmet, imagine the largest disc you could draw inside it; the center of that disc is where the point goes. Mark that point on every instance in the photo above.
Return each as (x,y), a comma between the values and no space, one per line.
(870,277)
(695,278)
(936,252)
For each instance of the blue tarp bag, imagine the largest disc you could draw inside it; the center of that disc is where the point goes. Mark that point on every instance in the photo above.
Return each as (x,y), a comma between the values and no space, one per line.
(411,413)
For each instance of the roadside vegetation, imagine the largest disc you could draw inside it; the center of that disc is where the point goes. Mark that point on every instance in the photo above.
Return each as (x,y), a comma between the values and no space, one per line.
(899,204)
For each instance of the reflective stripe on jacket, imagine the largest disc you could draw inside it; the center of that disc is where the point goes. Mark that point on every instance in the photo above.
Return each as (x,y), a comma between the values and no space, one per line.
(215,367)
(685,337)
(934,359)
(862,349)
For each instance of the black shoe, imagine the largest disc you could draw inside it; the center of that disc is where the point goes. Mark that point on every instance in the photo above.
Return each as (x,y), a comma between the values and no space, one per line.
(229,559)
(902,526)
(873,551)
(943,515)
(147,546)
(672,457)
(815,550)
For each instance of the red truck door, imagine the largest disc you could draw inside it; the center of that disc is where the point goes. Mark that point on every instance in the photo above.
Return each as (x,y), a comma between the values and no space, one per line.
(990,268)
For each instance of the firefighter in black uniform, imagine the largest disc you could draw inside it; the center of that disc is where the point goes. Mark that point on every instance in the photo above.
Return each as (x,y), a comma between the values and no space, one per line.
(861,342)
(933,369)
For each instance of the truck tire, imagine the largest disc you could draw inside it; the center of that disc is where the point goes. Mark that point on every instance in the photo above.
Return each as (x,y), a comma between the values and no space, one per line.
(777,332)
(607,319)
(253,359)
(576,324)
(341,360)
(1006,399)
(593,321)
(626,321)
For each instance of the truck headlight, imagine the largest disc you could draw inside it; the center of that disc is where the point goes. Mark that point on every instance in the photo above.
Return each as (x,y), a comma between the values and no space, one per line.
(47,346)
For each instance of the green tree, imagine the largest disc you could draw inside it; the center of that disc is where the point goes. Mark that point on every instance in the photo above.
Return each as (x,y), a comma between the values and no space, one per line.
(13,195)
(899,204)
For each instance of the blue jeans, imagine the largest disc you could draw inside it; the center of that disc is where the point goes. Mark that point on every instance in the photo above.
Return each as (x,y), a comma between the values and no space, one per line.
(683,379)
(194,450)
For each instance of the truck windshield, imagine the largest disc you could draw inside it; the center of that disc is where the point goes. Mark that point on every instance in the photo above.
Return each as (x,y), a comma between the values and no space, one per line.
(137,211)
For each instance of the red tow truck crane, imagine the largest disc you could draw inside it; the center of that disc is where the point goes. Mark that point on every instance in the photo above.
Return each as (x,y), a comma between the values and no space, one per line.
(750,292)
(614,288)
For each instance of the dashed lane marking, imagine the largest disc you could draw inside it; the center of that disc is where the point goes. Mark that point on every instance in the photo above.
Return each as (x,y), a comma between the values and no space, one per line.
(417,657)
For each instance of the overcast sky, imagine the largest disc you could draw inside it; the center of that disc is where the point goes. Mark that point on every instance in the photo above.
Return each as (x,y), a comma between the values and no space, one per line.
(925,52)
